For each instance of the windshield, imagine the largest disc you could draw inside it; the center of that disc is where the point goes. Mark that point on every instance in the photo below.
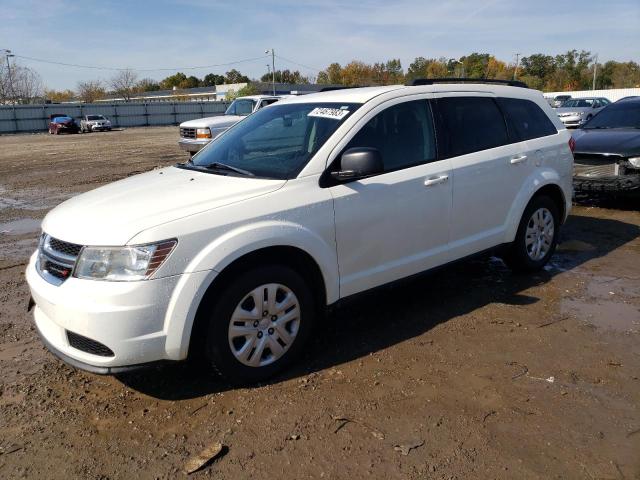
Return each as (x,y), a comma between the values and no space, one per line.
(617,115)
(275,142)
(582,102)
(95,117)
(241,107)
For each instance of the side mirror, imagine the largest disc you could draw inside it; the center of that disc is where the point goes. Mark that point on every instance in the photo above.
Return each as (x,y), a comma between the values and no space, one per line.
(359,162)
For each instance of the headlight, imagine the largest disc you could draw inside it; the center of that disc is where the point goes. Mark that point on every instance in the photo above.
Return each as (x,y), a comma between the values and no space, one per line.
(203,133)
(137,262)
(635,161)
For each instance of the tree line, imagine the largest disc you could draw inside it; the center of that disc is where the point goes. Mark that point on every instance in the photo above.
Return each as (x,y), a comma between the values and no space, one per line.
(572,70)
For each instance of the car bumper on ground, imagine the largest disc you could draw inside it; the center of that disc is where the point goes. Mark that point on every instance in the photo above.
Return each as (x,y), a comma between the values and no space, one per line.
(628,184)
(192,145)
(103,327)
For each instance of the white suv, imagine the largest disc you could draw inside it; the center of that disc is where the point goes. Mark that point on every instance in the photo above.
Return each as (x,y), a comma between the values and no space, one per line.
(237,253)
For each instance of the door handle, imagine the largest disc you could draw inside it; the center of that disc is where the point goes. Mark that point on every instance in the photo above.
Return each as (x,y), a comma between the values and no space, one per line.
(518,159)
(435,181)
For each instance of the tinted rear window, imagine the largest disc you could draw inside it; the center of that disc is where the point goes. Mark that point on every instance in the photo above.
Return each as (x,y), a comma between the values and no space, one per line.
(472,124)
(526,119)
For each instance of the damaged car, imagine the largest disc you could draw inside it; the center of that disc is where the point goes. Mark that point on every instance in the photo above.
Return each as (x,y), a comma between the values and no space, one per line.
(62,123)
(607,150)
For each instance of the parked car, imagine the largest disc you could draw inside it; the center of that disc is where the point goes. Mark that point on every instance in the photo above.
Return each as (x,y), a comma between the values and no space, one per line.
(62,123)
(576,111)
(195,134)
(558,100)
(239,251)
(93,123)
(607,151)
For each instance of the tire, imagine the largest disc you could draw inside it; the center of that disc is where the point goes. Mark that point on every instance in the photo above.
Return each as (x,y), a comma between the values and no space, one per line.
(533,253)
(260,345)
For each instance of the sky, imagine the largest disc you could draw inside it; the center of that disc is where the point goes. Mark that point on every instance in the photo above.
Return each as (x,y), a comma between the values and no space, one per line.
(152,35)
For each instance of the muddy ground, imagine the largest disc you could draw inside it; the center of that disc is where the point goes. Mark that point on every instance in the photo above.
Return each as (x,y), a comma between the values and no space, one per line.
(472,372)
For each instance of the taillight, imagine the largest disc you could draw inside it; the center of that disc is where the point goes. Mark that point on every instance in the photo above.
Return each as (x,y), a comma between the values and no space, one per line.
(572,144)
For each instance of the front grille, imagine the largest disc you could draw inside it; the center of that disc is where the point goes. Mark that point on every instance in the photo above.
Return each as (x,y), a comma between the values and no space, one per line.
(56,259)
(64,247)
(188,132)
(89,346)
(595,165)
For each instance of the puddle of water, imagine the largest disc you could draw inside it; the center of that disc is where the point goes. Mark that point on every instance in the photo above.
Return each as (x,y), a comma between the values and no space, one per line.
(20,227)
(31,199)
(618,316)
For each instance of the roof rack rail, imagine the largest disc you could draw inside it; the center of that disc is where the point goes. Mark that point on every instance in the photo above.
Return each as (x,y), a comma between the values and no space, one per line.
(431,81)
(330,89)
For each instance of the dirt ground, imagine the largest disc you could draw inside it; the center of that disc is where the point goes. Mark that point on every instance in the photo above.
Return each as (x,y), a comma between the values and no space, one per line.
(472,372)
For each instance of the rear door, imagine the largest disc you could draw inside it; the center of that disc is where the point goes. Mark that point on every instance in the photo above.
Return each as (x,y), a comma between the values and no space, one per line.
(488,169)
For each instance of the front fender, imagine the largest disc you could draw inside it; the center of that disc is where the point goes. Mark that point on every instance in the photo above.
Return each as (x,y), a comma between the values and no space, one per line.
(532,184)
(223,251)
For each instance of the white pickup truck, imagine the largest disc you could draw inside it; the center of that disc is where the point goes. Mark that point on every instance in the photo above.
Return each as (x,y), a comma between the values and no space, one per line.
(195,134)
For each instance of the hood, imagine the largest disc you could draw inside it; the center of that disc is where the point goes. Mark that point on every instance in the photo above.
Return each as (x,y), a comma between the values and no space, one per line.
(572,109)
(115,213)
(221,121)
(619,141)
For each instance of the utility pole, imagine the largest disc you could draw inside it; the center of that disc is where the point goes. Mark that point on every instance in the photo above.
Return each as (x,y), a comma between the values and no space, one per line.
(515,72)
(273,69)
(7,55)
(595,69)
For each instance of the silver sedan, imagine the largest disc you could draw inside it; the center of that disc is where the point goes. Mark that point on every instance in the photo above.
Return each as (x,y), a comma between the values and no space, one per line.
(576,111)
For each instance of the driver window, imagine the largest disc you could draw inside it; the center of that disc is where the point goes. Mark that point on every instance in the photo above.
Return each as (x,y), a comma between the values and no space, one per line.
(403,134)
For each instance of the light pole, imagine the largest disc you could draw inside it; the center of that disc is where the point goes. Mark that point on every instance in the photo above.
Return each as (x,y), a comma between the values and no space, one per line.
(273,68)
(595,70)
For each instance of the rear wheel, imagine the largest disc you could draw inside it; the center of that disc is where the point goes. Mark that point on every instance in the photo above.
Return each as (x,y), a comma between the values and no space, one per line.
(259,323)
(537,235)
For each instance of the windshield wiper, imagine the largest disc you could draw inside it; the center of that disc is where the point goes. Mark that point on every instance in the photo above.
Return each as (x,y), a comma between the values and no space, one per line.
(224,166)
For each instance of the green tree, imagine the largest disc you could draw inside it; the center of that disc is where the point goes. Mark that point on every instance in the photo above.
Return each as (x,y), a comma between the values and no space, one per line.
(286,76)
(173,81)
(234,76)
(211,79)
(148,85)
(190,82)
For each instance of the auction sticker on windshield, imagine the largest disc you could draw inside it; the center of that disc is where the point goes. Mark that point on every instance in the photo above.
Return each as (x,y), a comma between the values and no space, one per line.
(333,113)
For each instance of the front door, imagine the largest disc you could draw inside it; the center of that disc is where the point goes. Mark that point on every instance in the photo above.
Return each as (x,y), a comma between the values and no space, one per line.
(394,224)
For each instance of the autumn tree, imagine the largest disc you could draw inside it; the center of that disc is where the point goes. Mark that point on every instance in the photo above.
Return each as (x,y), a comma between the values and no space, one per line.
(58,96)
(90,91)
(123,83)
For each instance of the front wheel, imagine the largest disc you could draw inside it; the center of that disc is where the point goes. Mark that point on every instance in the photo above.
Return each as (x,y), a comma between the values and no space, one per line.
(537,236)
(259,324)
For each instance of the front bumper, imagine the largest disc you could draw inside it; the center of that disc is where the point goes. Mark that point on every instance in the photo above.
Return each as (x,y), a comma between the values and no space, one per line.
(130,318)
(573,121)
(193,145)
(100,128)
